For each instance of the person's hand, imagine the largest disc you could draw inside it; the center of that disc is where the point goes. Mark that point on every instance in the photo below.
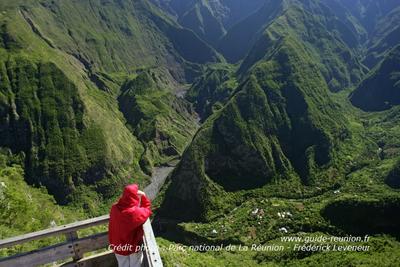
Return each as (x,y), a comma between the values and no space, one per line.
(141,193)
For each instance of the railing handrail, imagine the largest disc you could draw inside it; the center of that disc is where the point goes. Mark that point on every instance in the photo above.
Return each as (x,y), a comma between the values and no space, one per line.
(58,230)
(74,247)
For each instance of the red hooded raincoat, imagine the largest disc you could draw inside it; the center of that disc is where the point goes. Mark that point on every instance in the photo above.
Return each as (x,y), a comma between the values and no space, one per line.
(125,231)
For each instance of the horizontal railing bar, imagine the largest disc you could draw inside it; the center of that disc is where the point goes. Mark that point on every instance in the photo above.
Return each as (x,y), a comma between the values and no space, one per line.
(91,243)
(104,259)
(78,246)
(61,229)
(54,231)
(58,252)
(40,256)
(82,245)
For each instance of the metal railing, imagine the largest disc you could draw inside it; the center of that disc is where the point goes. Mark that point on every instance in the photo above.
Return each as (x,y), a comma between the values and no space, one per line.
(75,247)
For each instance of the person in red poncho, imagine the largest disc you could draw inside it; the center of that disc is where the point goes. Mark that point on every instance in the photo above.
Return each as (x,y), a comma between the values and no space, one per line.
(125,231)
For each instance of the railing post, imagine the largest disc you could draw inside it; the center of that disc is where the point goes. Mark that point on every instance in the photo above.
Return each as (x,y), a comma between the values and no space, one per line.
(71,237)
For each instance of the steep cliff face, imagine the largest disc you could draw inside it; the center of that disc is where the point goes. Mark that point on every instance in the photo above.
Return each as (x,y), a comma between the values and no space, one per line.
(211,91)
(119,36)
(325,38)
(53,119)
(42,117)
(162,121)
(384,37)
(381,90)
(280,124)
(375,23)
(65,70)
(236,43)
(210,19)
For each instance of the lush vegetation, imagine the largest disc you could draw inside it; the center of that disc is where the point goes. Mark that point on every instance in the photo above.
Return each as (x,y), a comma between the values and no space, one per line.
(381,90)
(162,121)
(237,42)
(285,134)
(296,149)
(393,178)
(211,91)
(95,94)
(209,19)
(43,119)
(63,80)
(25,209)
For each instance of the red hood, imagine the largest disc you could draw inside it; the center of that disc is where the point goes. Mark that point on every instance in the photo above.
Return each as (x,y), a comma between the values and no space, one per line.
(130,197)
(126,220)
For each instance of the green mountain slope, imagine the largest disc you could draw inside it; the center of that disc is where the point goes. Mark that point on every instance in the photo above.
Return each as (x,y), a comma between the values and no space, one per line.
(325,38)
(203,22)
(279,141)
(349,17)
(209,19)
(384,38)
(381,90)
(163,122)
(118,36)
(368,12)
(42,117)
(212,90)
(63,87)
(48,106)
(17,198)
(375,22)
(334,41)
(242,36)
(95,94)
(280,124)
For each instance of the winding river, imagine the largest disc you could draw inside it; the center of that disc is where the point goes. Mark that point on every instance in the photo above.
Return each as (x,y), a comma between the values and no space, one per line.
(157,181)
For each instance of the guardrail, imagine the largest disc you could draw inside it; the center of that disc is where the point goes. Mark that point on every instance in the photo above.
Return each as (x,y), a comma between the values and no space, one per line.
(75,247)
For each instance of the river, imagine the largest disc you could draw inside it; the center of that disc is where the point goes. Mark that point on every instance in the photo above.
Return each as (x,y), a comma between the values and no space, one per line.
(157,181)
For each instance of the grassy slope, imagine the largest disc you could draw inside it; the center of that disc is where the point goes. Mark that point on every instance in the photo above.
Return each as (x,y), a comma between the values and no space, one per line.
(120,36)
(386,254)
(121,151)
(162,121)
(211,91)
(359,182)
(364,195)
(29,40)
(380,90)
(291,129)
(327,40)
(26,209)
